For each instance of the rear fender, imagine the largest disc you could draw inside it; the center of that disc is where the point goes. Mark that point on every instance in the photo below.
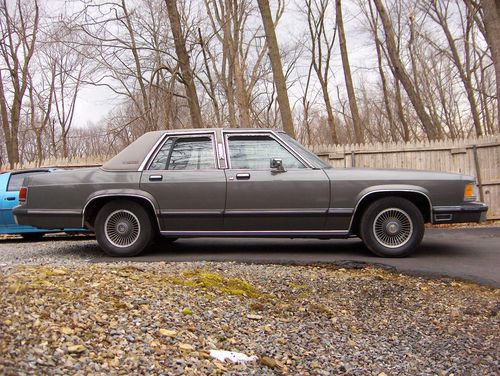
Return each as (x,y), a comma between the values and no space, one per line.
(121,193)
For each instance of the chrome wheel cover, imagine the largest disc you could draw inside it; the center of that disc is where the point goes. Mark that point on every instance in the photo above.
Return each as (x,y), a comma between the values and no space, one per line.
(393,227)
(122,228)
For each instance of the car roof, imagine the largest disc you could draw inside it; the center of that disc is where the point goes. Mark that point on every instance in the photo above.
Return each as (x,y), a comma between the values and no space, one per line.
(131,158)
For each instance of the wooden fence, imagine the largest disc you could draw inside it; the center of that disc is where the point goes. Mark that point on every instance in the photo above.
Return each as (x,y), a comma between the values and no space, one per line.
(479,157)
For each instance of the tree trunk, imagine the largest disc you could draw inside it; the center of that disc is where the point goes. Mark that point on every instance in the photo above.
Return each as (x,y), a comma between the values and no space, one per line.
(491,11)
(356,121)
(402,75)
(279,77)
(183,58)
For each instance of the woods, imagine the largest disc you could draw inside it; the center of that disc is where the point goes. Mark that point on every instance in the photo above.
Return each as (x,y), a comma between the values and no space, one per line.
(325,71)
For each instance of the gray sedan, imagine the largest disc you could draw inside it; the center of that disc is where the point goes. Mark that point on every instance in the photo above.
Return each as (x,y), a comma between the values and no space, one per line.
(245,183)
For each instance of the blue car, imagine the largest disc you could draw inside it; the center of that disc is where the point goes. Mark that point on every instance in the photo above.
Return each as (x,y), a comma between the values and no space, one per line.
(10,184)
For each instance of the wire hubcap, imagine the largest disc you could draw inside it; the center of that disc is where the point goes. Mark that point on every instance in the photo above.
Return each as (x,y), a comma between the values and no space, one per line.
(122,228)
(393,228)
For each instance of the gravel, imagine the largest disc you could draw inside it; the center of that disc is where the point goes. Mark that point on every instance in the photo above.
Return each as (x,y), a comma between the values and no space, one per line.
(59,314)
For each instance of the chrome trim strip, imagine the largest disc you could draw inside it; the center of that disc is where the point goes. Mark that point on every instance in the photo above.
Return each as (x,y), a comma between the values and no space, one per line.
(120,195)
(476,207)
(341,211)
(51,211)
(276,212)
(220,151)
(438,209)
(387,190)
(153,150)
(188,212)
(340,233)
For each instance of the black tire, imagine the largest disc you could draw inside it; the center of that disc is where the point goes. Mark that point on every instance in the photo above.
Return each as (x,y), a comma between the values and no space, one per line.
(33,236)
(392,227)
(123,228)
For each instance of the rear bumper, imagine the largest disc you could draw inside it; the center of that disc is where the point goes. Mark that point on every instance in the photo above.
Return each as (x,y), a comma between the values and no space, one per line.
(470,212)
(47,219)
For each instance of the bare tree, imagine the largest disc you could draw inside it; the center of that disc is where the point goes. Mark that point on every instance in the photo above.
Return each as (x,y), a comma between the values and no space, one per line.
(491,17)
(279,77)
(356,121)
(402,74)
(183,59)
(19,29)
(438,11)
(69,70)
(322,41)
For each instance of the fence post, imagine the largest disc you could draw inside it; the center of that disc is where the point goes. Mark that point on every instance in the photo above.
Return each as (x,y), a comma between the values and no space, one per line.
(353,158)
(478,172)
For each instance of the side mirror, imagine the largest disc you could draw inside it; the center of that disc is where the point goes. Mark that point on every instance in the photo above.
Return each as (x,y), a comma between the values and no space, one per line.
(277,165)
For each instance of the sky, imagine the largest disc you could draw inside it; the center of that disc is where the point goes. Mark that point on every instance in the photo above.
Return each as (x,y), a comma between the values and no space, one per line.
(94,103)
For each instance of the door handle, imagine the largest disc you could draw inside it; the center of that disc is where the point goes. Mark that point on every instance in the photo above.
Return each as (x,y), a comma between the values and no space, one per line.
(10,198)
(243,176)
(156,178)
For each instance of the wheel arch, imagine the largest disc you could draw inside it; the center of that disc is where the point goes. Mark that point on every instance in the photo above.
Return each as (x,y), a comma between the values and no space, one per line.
(416,195)
(98,200)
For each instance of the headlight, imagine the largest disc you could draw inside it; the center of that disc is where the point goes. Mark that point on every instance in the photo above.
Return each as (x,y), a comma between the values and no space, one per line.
(471,191)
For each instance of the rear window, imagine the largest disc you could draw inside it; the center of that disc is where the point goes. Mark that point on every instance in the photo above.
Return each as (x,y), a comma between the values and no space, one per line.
(16,180)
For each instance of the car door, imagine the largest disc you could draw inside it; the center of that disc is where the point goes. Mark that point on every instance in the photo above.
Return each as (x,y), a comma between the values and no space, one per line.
(185,180)
(260,198)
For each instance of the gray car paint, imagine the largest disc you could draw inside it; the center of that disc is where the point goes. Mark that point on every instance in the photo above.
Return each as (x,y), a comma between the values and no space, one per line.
(201,202)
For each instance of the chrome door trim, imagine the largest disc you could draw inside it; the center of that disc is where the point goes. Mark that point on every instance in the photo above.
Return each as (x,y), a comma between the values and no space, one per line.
(167,136)
(152,151)
(270,133)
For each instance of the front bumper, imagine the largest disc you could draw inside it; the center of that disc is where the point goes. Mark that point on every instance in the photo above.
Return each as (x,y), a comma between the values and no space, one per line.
(469,212)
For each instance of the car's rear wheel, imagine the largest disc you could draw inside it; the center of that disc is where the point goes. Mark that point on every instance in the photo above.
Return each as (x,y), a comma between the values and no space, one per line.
(392,227)
(123,228)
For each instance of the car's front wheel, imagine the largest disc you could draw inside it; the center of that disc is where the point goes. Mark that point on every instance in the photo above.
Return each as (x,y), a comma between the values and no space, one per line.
(123,228)
(392,227)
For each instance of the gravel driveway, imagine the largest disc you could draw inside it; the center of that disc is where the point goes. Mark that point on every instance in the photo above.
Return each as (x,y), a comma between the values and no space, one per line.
(59,314)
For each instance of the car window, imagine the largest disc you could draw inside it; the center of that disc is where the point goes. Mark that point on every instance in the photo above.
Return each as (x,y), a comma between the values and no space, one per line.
(255,152)
(185,153)
(161,159)
(16,180)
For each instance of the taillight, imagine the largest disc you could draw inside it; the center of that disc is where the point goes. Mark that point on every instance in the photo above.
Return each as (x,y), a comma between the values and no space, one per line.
(22,194)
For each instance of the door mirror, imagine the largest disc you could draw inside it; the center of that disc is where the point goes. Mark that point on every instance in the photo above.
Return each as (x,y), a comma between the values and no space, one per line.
(277,165)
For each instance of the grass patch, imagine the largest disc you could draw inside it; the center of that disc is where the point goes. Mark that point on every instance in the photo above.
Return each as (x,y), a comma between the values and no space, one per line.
(212,281)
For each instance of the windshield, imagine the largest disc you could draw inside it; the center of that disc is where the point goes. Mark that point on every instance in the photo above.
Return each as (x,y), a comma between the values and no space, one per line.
(309,156)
